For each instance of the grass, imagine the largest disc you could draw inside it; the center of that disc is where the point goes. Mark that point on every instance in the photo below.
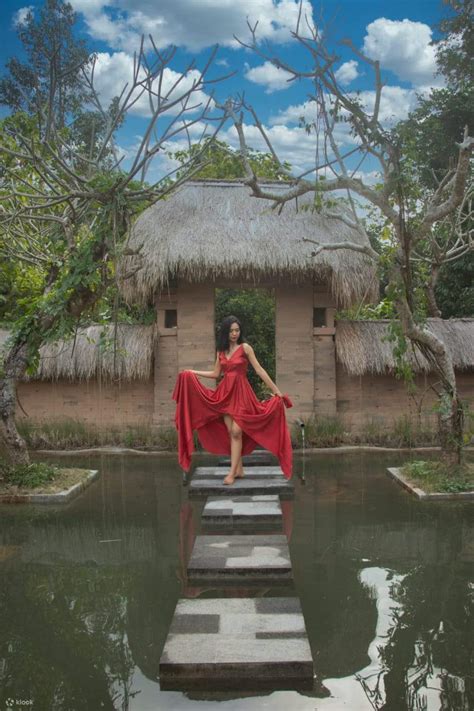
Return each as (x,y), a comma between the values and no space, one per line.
(437,477)
(403,431)
(320,432)
(72,434)
(38,477)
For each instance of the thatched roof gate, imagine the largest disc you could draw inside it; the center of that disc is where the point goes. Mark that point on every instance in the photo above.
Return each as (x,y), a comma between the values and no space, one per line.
(215,229)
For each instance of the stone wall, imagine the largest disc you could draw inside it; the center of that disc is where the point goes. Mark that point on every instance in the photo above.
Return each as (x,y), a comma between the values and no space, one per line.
(94,403)
(306,366)
(384,398)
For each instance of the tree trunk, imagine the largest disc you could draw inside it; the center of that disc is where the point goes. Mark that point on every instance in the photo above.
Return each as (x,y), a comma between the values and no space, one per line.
(451,426)
(433,308)
(450,413)
(13,447)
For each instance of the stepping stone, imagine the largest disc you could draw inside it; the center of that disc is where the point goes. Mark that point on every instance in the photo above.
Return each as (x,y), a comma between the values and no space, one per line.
(246,559)
(242,511)
(241,487)
(251,473)
(237,643)
(257,458)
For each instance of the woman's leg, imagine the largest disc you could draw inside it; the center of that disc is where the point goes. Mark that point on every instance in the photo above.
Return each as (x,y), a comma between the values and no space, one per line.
(240,467)
(235,451)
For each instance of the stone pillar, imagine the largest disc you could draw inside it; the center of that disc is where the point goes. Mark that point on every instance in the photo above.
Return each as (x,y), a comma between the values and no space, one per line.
(196,339)
(166,359)
(294,346)
(325,401)
(190,343)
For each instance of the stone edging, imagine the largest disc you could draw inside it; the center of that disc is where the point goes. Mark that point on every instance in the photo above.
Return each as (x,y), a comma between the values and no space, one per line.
(395,473)
(60,497)
(309,450)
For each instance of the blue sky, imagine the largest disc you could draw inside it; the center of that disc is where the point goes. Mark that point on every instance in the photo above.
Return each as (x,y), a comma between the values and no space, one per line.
(398,34)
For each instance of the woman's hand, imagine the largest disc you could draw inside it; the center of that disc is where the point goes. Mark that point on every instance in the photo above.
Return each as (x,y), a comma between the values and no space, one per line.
(278,393)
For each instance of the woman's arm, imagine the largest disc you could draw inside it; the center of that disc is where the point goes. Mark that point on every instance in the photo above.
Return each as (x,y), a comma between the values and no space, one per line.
(261,372)
(213,374)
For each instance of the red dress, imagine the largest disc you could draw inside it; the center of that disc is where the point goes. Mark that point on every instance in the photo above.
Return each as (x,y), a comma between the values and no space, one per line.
(200,408)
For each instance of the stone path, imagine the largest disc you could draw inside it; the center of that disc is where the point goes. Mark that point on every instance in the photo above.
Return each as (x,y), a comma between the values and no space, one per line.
(238,643)
(231,559)
(214,486)
(260,457)
(236,512)
(257,472)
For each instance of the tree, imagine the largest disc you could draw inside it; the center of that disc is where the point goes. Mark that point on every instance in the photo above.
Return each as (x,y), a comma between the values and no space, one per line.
(222,162)
(411,212)
(430,136)
(52,73)
(456,48)
(72,224)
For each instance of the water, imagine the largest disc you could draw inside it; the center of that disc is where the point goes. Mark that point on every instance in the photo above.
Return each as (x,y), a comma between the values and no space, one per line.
(88,590)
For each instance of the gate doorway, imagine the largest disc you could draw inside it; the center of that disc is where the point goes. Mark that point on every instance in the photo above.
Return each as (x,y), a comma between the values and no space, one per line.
(255,309)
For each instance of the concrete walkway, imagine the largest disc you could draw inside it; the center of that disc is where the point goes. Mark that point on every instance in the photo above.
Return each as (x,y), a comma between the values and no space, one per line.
(239,643)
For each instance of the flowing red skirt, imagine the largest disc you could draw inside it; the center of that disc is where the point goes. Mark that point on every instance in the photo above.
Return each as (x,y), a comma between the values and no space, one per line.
(199,408)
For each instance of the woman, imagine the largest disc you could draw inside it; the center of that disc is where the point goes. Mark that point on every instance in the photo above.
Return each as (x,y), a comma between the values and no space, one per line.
(230,419)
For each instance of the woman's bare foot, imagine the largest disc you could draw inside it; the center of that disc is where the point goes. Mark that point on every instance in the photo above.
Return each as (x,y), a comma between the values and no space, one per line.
(230,478)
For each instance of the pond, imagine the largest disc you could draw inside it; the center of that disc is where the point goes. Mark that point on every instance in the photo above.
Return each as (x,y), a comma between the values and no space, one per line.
(88,590)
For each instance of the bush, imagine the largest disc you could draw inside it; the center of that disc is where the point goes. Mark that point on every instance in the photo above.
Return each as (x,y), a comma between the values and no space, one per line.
(28,475)
(436,476)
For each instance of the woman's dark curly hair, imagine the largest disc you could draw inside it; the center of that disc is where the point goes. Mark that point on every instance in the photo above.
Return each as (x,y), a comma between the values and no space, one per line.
(224,330)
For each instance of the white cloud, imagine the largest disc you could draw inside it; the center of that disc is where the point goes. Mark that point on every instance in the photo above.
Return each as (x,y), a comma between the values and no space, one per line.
(113,71)
(403,46)
(291,144)
(190,23)
(307,111)
(347,72)
(395,103)
(20,15)
(269,76)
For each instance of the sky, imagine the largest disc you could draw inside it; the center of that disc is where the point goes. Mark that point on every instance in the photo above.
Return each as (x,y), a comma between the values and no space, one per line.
(396,33)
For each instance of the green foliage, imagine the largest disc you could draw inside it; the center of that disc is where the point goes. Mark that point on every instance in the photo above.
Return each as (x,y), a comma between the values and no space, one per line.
(454,52)
(455,288)
(256,310)
(436,476)
(222,162)
(28,475)
(368,312)
(51,49)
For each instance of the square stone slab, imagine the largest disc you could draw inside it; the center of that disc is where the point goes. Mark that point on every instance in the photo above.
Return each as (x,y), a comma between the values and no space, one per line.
(239,558)
(237,643)
(250,473)
(258,458)
(242,511)
(241,487)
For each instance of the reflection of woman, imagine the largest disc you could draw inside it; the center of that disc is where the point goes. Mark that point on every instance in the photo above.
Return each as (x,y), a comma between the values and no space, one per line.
(230,419)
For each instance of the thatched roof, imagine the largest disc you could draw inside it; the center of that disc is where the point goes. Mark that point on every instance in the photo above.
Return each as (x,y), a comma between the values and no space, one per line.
(361,346)
(217,229)
(86,358)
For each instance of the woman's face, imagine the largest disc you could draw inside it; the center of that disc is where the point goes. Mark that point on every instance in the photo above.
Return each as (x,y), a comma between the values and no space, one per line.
(234,332)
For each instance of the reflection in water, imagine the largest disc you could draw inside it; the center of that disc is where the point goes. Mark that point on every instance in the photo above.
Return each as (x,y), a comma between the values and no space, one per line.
(87,593)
